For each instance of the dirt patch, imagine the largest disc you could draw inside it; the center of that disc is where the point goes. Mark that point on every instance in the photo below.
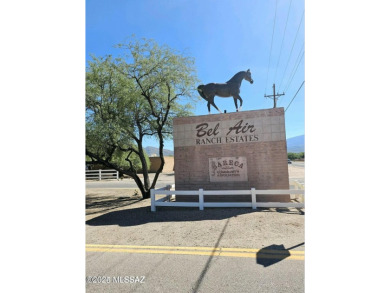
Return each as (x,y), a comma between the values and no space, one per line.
(99,201)
(230,227)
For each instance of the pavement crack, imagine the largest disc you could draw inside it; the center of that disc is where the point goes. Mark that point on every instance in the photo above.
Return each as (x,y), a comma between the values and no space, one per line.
(208,263)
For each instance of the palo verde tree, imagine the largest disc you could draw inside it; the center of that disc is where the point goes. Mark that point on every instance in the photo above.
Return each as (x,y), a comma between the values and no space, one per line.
(133,97)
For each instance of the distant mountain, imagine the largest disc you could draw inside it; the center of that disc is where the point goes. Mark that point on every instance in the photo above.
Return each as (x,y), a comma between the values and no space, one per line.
(296,144)
(153,152)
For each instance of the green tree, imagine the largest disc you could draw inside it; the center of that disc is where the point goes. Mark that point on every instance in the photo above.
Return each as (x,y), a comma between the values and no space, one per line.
(296,156)
(292,156)
(119,158)
(132,97)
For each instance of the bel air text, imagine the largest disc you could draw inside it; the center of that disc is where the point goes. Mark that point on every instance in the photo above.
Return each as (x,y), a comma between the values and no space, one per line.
(240,132)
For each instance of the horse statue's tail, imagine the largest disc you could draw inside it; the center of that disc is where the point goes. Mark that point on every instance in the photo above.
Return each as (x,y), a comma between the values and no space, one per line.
(200,91)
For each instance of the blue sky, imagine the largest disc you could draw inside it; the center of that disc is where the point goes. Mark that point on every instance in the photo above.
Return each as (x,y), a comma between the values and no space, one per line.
(224,37)
(347,112)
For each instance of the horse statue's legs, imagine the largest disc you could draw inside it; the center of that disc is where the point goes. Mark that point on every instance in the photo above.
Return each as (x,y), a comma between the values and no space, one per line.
(211,101)
(235,102)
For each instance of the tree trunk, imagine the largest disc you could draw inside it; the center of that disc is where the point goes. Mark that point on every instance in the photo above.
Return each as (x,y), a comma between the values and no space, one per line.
(145,172)
(144,191)
(161,153)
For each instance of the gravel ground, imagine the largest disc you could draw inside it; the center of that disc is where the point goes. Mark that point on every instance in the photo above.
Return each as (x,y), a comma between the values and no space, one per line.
(119,216)
(295,172)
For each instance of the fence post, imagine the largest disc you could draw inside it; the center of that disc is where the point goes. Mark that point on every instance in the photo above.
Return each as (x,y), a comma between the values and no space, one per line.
(117,175)
(201,199)
(253,193)
(168,187)
(152,200)
(100,174)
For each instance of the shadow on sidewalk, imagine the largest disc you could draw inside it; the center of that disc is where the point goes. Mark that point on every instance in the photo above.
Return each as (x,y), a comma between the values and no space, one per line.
(143,215)
(101,204)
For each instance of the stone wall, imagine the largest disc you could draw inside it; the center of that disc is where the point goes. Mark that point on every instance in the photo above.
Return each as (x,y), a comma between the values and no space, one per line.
(155,163)
(234,151)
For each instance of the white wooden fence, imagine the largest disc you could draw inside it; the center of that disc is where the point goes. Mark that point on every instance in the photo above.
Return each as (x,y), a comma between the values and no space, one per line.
(102,174)
(169,194)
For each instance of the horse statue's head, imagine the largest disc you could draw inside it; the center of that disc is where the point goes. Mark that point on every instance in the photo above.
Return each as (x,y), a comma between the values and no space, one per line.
(248,76)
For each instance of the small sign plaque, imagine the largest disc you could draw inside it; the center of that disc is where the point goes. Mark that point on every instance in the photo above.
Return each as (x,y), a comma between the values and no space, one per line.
(226,169)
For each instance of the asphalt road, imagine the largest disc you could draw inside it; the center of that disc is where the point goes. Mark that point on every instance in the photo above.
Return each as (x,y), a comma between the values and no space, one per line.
(133,272)
(163,180)
(130,249)
(298,164)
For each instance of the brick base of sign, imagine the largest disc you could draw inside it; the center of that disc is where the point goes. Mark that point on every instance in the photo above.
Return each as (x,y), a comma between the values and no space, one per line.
(235,151)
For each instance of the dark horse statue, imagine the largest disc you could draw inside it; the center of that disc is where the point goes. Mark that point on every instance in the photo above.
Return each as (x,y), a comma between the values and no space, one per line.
(230,88)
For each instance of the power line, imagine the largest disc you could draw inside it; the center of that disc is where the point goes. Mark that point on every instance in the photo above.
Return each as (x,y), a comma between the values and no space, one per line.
(292,48)
(296,61)
(294,67)
(294,96)
(272,41)
(281,46)
(294,71)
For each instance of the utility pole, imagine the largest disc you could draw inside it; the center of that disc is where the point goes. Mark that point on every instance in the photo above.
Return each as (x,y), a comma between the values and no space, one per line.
(274,95)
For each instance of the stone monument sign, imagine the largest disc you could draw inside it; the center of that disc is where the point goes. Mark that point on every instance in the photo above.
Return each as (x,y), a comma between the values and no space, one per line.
(232,151)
